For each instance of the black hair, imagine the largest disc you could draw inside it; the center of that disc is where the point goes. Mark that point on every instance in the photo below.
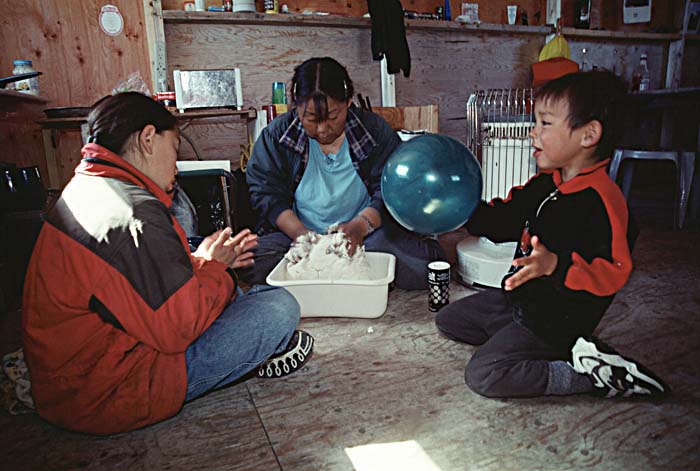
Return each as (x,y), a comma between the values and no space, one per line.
(318,79)
(113,119)
(595,95)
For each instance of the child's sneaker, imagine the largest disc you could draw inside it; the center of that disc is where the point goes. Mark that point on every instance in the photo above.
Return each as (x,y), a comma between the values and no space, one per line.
(291,359)
(613,374)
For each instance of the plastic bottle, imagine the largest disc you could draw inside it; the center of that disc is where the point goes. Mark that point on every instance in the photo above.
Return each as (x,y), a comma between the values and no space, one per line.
(30,85)
(641,79)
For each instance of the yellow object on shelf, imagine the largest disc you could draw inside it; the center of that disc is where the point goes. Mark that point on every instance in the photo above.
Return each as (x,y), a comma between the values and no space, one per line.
(556,47)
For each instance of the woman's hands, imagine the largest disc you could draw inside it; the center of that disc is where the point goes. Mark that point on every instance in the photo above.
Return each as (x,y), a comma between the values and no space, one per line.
(541,262)
(355,231)
(234,251)
(360,227)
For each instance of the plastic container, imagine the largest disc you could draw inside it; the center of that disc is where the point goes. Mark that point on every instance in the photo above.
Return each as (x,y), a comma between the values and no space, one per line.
(243,6)
(365,299)
(483,262)
(30,85)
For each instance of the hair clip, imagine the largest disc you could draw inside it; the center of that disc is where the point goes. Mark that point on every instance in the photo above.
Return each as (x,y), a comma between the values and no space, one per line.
(91,139)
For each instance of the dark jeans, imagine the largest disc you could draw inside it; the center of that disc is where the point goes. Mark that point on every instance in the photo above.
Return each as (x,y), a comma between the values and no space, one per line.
(412,254)
(511,360)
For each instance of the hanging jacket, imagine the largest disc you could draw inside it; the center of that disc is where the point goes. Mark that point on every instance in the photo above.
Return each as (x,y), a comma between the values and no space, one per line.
(112,300)
(585,222)
(389,35)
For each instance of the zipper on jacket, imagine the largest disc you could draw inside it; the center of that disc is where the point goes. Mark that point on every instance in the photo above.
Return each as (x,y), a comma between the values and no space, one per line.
(552,197)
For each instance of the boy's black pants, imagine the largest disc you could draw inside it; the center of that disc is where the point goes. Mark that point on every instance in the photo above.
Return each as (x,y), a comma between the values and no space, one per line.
(511,360)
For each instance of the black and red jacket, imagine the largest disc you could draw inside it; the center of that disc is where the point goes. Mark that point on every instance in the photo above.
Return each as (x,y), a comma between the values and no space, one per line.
(584,221)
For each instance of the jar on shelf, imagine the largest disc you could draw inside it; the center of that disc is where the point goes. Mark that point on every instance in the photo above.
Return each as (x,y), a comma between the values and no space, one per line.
(30,85)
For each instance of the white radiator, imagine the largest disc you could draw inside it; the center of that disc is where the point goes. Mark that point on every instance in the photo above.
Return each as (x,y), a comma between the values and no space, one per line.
(498,126)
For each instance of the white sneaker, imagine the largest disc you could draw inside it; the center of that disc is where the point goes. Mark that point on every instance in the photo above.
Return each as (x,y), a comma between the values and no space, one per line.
(613,374)
(291,359)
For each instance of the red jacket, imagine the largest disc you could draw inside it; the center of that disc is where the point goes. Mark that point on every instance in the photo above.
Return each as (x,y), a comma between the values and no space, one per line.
(112,300)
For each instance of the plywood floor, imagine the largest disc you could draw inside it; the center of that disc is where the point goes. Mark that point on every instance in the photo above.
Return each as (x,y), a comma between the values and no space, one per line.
(388,394)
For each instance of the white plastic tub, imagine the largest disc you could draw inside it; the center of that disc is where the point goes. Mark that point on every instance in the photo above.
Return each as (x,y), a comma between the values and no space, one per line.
(484,262)
(341,298)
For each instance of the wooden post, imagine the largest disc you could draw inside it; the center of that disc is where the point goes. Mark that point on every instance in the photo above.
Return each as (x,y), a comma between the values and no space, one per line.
(155,34)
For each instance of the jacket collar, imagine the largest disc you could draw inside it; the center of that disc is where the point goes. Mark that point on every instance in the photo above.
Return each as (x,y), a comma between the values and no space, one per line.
(101,162)
(360,141)
(584,178)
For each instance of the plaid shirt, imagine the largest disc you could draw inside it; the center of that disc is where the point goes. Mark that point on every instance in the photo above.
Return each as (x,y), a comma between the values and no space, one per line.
(281,153)
(360,142)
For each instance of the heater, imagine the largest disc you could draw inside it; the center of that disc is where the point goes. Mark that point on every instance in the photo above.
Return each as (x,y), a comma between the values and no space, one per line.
(498,127)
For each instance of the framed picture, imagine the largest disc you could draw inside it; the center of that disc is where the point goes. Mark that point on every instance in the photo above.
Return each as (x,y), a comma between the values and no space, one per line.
(208,88)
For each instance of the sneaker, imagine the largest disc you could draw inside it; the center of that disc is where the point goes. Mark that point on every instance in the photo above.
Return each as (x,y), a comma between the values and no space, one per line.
(293,357)
(613,374)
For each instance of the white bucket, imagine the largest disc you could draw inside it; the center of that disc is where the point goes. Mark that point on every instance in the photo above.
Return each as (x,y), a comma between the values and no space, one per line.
(483,262)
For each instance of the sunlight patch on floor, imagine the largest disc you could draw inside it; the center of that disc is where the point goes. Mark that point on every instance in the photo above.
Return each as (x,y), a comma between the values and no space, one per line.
(403,456)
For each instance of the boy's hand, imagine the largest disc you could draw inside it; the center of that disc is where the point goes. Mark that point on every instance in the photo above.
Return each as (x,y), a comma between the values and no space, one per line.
(541,262)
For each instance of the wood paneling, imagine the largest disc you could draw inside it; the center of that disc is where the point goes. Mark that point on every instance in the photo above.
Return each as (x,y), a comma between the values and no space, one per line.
(79,62)
(64,40)
(447,67)
(607,14)
(265,54)
(691,64)
(411,118)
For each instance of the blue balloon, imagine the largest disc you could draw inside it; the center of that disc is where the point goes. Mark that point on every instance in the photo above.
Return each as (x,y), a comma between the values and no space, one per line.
(432,184)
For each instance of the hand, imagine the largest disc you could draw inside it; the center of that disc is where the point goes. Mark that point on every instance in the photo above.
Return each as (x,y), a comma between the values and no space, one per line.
(355,231)
(541,262)
(213,247)
(243,243)
(232,251)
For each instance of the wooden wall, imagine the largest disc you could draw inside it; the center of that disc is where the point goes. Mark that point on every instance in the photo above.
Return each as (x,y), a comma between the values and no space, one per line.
(491,11)
(79,62)
(666,15)
(447,67)
(265,54)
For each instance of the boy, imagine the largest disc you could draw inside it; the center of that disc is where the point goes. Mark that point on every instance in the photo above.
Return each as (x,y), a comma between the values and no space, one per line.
(573,256)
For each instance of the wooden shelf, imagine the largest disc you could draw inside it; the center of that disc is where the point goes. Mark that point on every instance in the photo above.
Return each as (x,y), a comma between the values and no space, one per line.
(624,35)
(181,16)
(76,121)
(214,113)
(457,26)
(336,21)
(7,96)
